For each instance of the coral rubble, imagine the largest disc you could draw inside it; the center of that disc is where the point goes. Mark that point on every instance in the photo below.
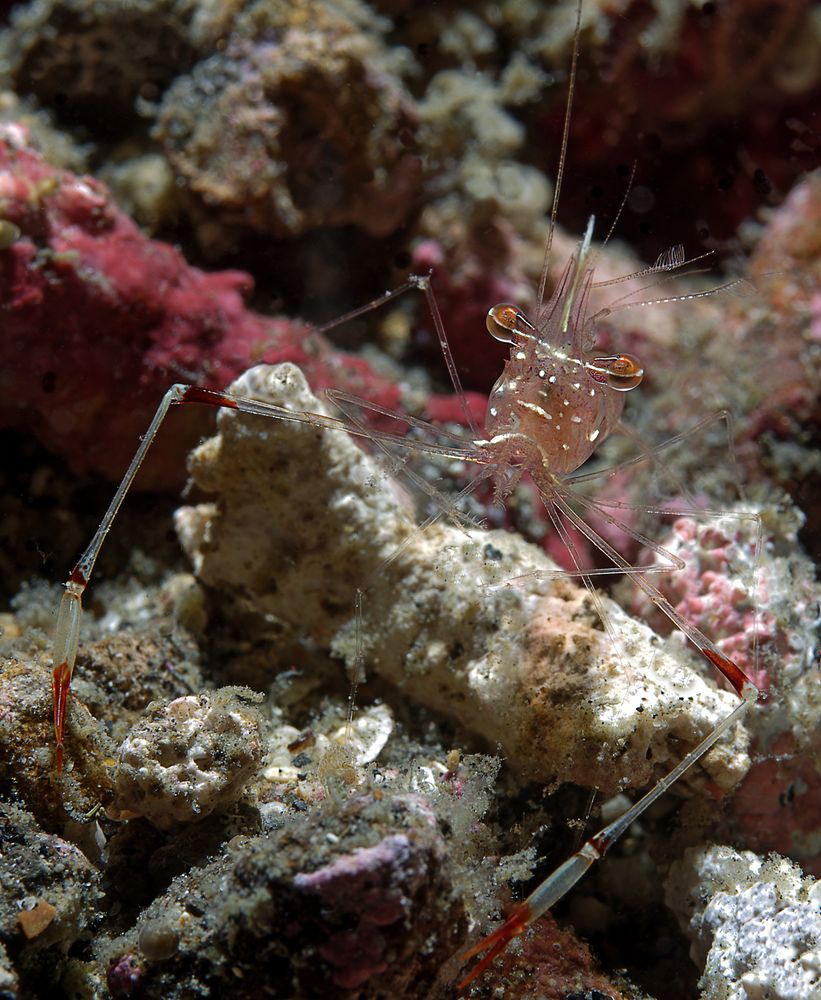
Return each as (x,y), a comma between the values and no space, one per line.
(186,758)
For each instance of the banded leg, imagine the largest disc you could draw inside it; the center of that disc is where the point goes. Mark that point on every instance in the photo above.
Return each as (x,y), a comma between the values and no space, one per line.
(563,878)
(69,617)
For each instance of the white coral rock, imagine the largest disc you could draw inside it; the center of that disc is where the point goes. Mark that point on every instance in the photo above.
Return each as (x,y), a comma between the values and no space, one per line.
(189,756)
(302,518)
(755,925)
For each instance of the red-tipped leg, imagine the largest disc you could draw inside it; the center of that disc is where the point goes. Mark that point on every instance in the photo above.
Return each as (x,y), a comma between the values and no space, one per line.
(496,942)
(61,680)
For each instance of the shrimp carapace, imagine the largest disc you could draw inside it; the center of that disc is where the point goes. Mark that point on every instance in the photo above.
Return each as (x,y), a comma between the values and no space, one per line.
(553,404)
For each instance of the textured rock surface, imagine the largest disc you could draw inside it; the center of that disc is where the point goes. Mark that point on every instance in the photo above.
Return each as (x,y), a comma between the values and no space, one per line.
(527,666)
(50,896)
(755,924)
(186,758)
(354,899)
(307,125)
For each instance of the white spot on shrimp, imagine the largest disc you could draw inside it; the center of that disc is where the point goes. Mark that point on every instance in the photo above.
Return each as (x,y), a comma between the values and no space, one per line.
(542,373)
(534,408)
(591,437)
(576,419)
(552,379)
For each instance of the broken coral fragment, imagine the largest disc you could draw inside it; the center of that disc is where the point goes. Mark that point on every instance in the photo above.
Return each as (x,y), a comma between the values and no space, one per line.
(187,757)
(303,517)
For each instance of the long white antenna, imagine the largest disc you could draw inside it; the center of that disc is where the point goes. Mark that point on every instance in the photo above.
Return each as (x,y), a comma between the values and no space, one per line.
(562,157)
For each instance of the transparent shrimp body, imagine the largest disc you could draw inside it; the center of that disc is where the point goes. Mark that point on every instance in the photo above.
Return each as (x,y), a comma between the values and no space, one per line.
(555,401)
(554,404)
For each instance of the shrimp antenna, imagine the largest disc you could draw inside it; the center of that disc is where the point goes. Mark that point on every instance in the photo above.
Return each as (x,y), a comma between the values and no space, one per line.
(624,198)
(562,158)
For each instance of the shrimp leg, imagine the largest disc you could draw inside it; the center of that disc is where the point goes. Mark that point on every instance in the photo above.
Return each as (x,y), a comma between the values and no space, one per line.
(562,880)
(67,632)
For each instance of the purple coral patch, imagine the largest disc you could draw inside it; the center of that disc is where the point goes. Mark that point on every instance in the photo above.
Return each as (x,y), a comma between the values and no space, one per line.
(358,885)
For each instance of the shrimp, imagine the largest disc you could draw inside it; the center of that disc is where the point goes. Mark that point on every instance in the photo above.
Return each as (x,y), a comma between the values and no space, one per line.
(556,401)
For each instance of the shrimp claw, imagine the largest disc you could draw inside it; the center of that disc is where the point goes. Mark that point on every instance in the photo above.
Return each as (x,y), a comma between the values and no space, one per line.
(496,942)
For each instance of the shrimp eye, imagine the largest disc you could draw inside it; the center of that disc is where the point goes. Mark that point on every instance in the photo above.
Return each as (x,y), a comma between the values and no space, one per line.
(621,371)
(504,321)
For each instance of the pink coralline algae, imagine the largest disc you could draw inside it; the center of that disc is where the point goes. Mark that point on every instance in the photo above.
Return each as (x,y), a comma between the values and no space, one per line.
(711,594)
(98,321)
(772,638)
(347,883)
